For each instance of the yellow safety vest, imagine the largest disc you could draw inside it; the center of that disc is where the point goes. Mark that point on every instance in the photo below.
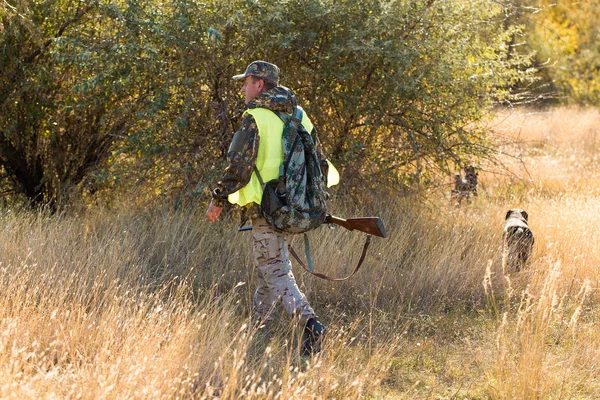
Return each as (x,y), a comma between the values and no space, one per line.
(270,156)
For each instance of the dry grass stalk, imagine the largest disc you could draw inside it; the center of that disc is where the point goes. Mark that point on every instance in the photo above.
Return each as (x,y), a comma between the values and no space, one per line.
(117,304)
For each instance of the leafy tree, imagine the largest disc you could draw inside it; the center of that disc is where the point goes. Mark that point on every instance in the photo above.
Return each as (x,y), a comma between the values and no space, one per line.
(565,38)
(65,93)
(396,87)
(568,37)
(108,95)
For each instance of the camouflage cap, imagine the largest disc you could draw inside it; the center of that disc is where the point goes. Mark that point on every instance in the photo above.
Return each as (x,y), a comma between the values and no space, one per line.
(260,69)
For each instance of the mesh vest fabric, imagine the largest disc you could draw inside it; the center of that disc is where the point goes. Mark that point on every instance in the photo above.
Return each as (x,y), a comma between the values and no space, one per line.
(270,154)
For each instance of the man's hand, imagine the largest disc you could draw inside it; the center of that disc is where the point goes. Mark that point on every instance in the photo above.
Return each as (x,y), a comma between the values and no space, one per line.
(213,212)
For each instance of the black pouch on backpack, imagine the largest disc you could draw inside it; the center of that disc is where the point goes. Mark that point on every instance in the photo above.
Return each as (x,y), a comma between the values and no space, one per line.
(273,199)
(283,217)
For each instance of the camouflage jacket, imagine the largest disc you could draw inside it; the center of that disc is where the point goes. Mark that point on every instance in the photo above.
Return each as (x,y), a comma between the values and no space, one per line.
(243,150)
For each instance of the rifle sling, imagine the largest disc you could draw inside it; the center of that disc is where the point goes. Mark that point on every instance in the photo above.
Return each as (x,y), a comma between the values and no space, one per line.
(323,276)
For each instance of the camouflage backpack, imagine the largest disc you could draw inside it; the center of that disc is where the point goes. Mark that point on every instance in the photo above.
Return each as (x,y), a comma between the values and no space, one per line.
(296,201)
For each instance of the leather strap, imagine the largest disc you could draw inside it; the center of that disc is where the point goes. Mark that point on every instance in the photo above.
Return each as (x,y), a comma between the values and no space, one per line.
(323,276)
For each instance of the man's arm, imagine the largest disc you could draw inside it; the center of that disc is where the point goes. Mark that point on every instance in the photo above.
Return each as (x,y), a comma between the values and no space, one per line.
(241,156)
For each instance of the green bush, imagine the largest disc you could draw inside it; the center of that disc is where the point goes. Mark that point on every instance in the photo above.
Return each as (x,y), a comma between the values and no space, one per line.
(110,96)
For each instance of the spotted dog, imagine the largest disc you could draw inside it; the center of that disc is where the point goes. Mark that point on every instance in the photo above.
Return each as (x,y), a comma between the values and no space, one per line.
(517,240)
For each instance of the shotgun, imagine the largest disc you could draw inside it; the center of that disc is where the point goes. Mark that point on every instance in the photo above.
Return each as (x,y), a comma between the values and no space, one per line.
(371,225)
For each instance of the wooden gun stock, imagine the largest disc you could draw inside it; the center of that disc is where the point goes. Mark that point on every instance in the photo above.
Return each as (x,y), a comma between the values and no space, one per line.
(371,225)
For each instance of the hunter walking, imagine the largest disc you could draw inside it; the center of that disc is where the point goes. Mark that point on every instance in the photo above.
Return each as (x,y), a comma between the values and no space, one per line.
(257,145)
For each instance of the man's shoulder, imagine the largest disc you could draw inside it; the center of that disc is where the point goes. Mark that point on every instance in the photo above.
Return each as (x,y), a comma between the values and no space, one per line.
(258,112)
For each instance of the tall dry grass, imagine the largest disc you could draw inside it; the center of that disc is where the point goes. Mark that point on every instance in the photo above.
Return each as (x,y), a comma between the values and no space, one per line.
(547,343)
(156,304)
(149,305)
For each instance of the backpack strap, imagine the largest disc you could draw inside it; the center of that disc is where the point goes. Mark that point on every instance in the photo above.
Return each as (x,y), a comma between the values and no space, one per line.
(262,184)
(296,115)
(296,118)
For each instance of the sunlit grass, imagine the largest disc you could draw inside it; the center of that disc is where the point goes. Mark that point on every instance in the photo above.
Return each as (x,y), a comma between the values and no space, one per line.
(156,304)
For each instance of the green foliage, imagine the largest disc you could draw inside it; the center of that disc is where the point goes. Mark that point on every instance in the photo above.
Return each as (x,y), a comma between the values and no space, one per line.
(68,91)
(109,95)
(397,86)
(566,40)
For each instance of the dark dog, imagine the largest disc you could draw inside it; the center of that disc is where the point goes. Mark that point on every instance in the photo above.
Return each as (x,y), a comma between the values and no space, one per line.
(465,187)
(517,240)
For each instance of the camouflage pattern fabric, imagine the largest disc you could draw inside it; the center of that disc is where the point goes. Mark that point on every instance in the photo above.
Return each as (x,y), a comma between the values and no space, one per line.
(276,282)
(241,158)
(296,202)
(260,69)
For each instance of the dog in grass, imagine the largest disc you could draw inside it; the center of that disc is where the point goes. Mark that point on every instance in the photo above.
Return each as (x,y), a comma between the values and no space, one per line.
(517,240)
(465,188)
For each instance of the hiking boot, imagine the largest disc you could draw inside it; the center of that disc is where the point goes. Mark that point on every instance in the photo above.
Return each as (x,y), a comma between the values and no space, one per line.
(314,331)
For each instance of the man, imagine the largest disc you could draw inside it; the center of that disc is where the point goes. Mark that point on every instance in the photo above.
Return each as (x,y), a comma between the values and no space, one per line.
(258,142)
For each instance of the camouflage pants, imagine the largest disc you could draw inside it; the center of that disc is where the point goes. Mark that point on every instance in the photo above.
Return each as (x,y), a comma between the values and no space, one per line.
(275,279)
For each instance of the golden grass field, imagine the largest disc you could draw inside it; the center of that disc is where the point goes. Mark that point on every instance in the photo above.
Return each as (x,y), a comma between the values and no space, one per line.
(155,305)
